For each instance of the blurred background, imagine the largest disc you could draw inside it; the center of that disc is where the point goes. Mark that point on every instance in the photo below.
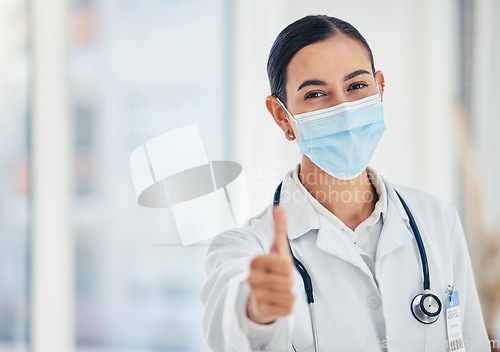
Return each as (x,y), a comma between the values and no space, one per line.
(83,82)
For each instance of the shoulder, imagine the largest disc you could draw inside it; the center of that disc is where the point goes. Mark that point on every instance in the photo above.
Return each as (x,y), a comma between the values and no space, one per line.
(430,211)
(423,199)
(418,201)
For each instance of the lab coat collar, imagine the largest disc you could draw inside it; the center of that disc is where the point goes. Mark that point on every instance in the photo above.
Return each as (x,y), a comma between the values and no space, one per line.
(332,241)
(378,183)
(301,216)
(380,206)
(395,233)
(393,197)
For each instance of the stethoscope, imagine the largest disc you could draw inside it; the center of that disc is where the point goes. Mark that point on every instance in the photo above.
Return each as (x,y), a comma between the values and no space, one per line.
(425,306)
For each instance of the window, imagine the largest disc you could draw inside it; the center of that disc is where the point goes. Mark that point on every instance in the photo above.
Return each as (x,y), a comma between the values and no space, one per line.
(137,70)
(14,178)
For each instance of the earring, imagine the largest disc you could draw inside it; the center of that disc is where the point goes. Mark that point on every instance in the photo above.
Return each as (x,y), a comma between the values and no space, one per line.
(288,136)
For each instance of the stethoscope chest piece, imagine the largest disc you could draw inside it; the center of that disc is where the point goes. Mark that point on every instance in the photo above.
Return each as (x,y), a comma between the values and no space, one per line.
(426,307)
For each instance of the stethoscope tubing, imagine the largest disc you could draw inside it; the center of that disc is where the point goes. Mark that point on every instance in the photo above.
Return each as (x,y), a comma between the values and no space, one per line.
(420,244)
(306,278)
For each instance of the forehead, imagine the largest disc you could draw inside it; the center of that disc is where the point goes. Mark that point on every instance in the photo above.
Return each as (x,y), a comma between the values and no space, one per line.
(328,59)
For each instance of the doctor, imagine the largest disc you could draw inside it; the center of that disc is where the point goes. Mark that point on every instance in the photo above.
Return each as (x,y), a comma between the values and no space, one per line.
(356,235)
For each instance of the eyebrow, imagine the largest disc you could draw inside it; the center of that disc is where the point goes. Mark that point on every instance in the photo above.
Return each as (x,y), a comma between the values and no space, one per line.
(311,82)
(315,82)
(355,74)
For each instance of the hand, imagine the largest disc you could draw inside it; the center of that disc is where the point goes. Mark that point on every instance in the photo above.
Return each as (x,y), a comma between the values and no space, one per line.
(271,277)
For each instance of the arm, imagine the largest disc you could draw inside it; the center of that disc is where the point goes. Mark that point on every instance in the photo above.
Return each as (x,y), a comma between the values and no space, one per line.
(225,325)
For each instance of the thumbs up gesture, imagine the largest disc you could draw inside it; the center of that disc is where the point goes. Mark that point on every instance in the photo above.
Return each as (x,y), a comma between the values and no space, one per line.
(271,277)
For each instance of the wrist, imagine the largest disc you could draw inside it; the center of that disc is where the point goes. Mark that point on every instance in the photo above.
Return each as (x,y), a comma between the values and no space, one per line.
(255,317)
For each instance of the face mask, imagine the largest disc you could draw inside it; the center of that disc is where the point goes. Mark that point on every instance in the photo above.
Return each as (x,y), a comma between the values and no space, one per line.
(342,139)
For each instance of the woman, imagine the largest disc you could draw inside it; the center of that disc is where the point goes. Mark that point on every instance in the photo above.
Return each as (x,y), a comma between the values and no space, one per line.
(346,225)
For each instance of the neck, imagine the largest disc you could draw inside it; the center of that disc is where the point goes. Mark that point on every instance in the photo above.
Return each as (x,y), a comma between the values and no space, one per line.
(352,201)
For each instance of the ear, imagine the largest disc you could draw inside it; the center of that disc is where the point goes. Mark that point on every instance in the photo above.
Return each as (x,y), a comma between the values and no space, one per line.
(379,76)
(279,114)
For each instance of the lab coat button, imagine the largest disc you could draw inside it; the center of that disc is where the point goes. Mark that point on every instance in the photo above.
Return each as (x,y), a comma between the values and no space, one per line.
(373,302)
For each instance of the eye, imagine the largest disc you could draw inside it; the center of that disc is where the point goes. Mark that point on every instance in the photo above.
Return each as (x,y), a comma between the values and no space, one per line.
(356,86)
(313,95)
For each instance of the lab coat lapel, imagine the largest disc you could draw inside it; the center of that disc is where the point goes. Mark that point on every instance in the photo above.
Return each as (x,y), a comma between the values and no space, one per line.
(331,240)
(300,214)
(395,233)
(302,218)
(396,230)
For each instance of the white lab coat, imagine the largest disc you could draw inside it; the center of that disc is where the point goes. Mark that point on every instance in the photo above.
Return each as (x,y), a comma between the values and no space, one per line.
(352,313)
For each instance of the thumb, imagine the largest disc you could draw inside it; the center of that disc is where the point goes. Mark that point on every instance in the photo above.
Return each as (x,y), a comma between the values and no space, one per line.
(280,245)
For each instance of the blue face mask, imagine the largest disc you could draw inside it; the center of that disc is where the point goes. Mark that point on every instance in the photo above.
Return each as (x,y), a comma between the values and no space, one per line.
(342,139)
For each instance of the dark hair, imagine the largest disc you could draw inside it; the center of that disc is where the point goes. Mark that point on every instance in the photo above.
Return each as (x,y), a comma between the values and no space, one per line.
(305,31)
